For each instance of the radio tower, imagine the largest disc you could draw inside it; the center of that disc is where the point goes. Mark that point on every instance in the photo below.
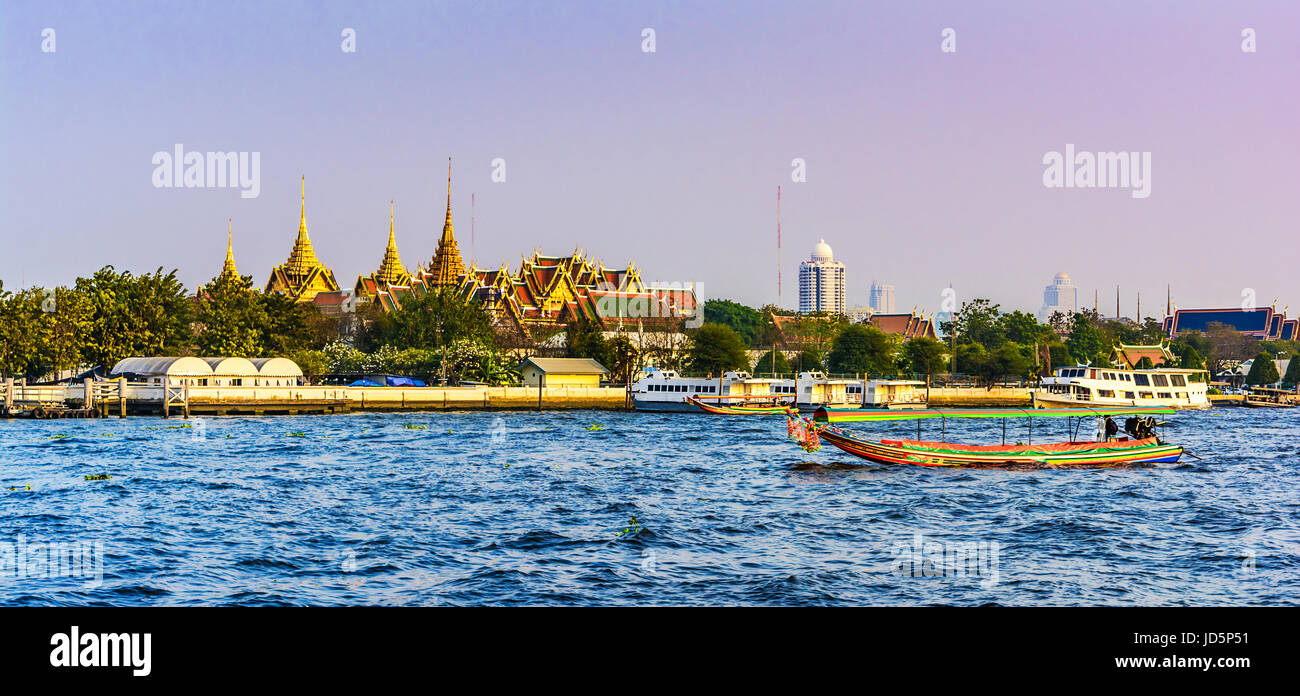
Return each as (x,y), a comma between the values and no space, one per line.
(778,246)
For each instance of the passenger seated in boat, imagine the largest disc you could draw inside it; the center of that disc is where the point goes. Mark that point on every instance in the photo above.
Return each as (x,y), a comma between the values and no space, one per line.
(1112,429)
(1131,426)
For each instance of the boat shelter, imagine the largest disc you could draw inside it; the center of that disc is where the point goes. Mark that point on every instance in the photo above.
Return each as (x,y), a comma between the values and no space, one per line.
(277,372)
(169,371)
(562,372)
(232,372)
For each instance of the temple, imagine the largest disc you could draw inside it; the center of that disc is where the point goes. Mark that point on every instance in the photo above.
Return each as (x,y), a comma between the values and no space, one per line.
(303,276)
(1129,356)
(1263,323)
(228,269)
(390,273)
(549,291)
(447,266)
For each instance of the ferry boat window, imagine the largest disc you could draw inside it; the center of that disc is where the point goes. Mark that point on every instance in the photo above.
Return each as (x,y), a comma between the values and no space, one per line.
(1105,393)
(1141,380)
(1144,395)
(1178,380)
(1129,395)
(1160,380)
(1165,395)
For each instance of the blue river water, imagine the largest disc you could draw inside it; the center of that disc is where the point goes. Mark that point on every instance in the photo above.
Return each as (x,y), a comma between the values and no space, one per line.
(523,508)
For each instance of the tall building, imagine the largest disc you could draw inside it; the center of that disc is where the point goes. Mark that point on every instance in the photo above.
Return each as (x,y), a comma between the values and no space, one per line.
(303,276)
(1060,296)
(821,282)
(881,298)
(447,266)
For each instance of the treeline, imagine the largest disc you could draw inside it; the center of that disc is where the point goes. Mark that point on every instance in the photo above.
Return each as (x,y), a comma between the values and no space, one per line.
(980,340)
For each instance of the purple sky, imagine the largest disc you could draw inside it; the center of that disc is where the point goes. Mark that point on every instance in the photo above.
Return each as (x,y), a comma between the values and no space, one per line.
(923,168)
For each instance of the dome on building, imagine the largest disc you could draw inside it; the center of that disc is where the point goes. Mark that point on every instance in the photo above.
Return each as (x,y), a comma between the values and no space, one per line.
(1061,278)
(822,252)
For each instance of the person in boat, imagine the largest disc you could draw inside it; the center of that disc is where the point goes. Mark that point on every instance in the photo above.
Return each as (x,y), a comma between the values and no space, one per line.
(1131,426)
(1112,428)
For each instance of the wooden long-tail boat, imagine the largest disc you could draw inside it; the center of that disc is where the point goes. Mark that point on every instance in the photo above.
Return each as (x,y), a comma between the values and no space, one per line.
(719,407)
(1117,452)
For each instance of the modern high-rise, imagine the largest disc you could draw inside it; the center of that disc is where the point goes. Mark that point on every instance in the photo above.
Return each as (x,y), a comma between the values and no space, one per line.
(821,282)
(881,298)
(1060,296)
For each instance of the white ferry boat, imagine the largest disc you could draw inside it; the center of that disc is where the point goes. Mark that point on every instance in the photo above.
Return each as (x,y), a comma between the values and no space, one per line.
(1083,386)
(666,390)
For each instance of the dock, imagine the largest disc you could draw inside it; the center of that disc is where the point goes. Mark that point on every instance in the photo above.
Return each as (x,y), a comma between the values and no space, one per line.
(119,398)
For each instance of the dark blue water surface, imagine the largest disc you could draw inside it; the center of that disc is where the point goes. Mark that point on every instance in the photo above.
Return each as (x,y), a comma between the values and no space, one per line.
(533,508)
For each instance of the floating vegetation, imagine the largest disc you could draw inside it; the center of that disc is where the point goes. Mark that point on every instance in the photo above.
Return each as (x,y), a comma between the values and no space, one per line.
(412,426)
(183,426)
(633,526)
(16,488)
(595,426)
(296,433)
(98,477)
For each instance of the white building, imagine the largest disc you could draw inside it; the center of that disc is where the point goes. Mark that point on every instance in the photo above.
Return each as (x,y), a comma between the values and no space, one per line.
(821,282)
(881,298)
(1060,296)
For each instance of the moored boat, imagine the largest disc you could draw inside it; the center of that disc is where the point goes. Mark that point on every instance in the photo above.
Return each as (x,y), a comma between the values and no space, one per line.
(753,406)
(1107,452)
(1086,386)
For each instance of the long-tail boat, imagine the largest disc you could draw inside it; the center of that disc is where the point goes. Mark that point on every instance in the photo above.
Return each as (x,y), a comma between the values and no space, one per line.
(768,406)
(1114,452)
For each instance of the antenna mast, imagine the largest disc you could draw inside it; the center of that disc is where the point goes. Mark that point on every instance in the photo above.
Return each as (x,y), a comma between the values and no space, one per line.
(778,246)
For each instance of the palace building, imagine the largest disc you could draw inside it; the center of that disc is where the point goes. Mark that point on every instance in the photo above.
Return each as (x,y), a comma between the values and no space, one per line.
(1264,323)
(390,273)
(303,276)
(447,266)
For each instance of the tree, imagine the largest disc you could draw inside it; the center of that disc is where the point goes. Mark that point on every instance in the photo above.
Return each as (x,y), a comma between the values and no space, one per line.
(1009,360)
(1228,345)
(978,321)
(715,349)
(231,318)
(926,356)
(624,360)
(1024,329)
(285,327)
(810,359)
(1292,376)
(772,362)
(1085,343)
(862,349)
(434,320)
(584,339)
(973,359)
(1145,364)
(1263,371)
(744,320)
(146,315)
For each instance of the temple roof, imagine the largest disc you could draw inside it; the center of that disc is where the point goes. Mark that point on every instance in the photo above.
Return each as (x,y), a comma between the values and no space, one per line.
(1130,356)
(303,275)
(447,266)
(228,268)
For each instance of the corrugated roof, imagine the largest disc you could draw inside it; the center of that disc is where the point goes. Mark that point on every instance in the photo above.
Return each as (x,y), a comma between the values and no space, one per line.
(277,367)
(232,367)
(178,367)
(568,366)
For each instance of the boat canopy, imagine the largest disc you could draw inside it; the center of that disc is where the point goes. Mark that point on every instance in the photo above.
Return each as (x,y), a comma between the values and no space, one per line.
(851,415)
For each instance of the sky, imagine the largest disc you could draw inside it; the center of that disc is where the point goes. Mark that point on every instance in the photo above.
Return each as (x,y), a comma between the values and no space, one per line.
(923,168)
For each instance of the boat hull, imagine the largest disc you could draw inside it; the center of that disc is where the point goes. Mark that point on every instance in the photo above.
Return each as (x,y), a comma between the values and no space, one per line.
(1042,400)
(1087,455)
(726,410)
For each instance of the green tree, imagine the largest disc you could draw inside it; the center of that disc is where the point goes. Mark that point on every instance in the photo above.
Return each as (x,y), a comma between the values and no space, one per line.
(744,320)
(1263,371)
(771,362)
(231,319)
(715,349)
(978,321)
(146,315)
(1145,364)
(925,356)
(284,325)
(810,359)
(862,349)
(312,362)
(585,339)
(624,360)
(1292,376)
(1086,344)
(1009,360)
(1020,327)
(434,320)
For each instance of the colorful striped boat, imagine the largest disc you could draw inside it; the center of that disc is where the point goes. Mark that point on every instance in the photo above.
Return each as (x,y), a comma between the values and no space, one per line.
(928,453)
(722,409)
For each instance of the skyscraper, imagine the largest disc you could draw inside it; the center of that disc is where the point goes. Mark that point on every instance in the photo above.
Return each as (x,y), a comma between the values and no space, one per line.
(1060,296)
(821,282)
(881,298)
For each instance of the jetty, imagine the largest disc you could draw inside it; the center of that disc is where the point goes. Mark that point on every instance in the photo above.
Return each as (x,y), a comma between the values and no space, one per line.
(121,398)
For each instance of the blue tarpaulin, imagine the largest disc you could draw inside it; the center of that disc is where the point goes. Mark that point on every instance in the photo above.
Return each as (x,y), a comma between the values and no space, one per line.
(363,383)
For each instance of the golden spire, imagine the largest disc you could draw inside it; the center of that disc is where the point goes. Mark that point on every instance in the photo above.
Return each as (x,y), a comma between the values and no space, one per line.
(447,264)
(229,267)
(391,271)
(303,258)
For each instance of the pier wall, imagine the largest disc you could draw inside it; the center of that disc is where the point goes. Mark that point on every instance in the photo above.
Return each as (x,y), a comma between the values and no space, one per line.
(980,397)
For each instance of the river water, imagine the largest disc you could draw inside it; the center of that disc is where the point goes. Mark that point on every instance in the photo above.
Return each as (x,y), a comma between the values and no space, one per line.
(676,509)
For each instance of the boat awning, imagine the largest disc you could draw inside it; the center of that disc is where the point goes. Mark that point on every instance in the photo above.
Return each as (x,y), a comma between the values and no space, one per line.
(853,415)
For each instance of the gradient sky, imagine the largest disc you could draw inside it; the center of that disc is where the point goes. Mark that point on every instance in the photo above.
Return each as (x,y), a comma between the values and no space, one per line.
(923,168)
